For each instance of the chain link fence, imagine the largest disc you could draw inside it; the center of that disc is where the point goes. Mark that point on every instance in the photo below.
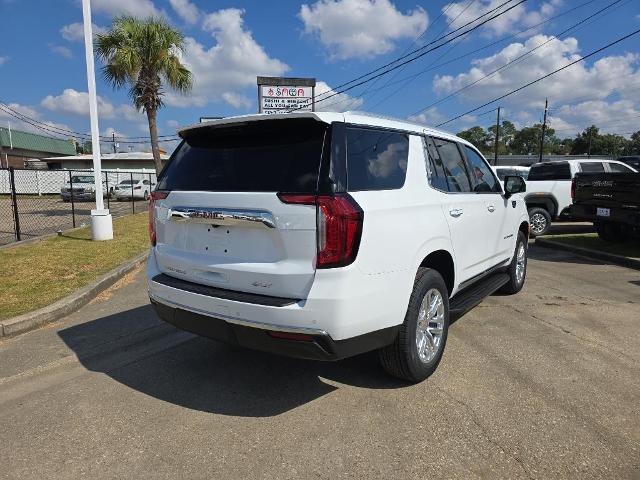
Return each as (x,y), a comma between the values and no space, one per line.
(39,202)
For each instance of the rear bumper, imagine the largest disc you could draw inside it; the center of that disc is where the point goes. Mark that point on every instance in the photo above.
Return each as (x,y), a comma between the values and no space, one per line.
(317,346)
(617,215)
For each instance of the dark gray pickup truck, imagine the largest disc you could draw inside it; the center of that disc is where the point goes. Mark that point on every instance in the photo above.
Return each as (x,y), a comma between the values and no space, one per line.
(611,201)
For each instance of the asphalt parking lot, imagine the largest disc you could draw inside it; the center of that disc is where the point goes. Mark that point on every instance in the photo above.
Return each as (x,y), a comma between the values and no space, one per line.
(48,214)
(544,384)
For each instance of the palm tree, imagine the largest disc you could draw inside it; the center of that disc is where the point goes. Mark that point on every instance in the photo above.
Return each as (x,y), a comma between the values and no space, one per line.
(145,55)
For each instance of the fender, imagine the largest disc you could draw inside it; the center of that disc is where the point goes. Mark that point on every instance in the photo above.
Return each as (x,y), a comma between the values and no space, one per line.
(546,200)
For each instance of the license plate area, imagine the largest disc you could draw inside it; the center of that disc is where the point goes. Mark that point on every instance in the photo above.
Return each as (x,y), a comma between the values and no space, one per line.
(603,212)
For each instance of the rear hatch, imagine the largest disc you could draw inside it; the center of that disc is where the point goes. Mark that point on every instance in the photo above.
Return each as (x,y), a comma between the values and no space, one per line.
(222,222)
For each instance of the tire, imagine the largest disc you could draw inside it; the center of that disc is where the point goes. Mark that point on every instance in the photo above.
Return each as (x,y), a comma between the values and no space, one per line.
(540,221)
(517,269)
(403,358)
(610,232)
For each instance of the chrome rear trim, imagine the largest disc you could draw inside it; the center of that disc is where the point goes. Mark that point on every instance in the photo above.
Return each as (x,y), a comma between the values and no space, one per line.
(222,216)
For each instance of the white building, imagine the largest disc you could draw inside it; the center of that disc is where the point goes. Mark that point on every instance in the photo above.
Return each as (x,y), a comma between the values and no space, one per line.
(130,161)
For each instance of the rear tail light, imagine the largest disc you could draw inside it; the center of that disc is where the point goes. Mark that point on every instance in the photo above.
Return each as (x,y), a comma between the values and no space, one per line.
(137,188)
(573,188)
(339,227)
(155,196)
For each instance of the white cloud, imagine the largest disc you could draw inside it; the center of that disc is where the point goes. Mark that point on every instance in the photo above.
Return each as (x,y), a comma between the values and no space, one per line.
(136,8)
(429,117)
(227,67)
(622,116)
(72,102)
(360,28)
(236,100)
(338,103)
(3,60)
(186,10)
(609,75)
(74,32)
(173,124)
(62,51)
(460,13)
(28,126)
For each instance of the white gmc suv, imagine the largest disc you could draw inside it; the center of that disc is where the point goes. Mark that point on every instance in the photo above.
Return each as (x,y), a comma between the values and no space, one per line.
(325,235)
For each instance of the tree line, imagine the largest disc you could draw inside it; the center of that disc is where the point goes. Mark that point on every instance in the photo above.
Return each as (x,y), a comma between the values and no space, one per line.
(526,141)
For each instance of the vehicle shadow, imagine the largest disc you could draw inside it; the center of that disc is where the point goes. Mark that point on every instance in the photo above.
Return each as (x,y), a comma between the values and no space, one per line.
(565,228)
(545,254)
(138,350)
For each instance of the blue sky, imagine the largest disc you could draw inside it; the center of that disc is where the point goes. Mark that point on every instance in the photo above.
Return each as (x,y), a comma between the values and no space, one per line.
(42,70)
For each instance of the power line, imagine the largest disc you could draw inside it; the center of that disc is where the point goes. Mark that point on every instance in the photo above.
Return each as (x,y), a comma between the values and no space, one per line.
(420,55)
(519,57)
(425,46)
(63,131)
(591,54)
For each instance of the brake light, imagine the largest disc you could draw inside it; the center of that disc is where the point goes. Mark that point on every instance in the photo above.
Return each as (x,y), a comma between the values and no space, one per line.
(339,222)
(157,195)
(138,187)
(573,188)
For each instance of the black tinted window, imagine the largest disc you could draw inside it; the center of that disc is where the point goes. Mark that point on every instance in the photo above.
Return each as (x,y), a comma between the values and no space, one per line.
(437,177)
(453,165)
(265,156)
(619,168)
(550,171)
(376,160)
(591,167)
(482,178)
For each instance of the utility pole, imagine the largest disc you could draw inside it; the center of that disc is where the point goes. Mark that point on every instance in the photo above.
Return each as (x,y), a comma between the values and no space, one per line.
(544,127)
(495,158)
(113,141)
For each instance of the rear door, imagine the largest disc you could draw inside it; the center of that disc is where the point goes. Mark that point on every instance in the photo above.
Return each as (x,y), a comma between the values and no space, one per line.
(464,210)
(222,224)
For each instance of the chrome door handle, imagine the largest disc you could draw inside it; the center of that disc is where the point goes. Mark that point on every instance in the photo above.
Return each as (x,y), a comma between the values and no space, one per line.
(491,208)
(456,212)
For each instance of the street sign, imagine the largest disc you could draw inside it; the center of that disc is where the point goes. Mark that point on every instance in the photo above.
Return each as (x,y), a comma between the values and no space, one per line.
(284,95)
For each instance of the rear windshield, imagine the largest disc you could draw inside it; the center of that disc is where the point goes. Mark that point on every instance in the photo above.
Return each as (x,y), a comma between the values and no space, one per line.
(550,171)
(264,156)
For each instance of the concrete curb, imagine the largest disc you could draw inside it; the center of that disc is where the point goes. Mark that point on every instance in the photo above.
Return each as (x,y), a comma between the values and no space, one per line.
(586,252)
(61,308)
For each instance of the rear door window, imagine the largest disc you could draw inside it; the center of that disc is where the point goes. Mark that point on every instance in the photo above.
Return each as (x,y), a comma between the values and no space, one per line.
(550,171)
(482,178)
(437,177)
(619,168)
(262,156)
(591,167)
(376,159)
(454,166)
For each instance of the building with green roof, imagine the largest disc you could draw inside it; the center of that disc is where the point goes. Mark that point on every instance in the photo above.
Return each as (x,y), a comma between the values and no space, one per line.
(17,147)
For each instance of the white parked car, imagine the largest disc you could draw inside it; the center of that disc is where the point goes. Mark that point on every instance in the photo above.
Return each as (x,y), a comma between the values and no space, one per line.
(132,189)
(549,187)
(324,235)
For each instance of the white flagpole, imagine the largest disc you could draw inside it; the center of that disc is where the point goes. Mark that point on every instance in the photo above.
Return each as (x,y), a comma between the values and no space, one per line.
(101,222)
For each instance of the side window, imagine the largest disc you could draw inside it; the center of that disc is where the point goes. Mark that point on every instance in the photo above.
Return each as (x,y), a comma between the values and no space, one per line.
(376,159)
(453,164)
(146,182)
(482,178)
(591,167)
(550,171)
(619,168)
(437,176)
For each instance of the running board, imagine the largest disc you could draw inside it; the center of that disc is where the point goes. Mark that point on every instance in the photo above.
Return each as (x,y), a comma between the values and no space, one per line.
(474,294)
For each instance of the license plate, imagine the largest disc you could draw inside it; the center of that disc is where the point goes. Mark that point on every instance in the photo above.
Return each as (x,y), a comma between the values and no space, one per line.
(603,212)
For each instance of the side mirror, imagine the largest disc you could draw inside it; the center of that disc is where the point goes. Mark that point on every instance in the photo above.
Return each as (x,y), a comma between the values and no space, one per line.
(514,184)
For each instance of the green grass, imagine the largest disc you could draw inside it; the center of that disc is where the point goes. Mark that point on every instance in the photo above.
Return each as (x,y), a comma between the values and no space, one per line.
(41,273)
(592,241)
